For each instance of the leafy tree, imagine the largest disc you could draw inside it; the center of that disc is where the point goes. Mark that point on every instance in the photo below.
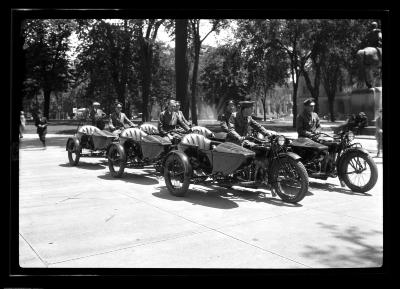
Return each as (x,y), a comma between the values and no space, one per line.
(267,65)
(197,41)
(46,43)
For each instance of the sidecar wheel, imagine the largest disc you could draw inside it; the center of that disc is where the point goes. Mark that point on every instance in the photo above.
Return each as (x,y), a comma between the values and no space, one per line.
(74,153)
(116,161)
(177,175)
(289,179)
(359,172)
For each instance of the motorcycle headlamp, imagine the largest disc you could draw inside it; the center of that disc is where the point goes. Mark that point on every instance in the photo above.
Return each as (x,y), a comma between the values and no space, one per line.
(350,136)
(260,136)
(281,140)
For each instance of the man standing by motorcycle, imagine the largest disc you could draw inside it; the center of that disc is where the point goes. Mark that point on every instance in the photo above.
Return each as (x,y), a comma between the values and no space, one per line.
(118,119)
(240,124)
(169,121)
(224,118)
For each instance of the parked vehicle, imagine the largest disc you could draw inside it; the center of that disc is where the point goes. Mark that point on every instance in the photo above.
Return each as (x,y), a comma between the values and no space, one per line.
(337,156)
(267,163)
(89,141)
(139,147)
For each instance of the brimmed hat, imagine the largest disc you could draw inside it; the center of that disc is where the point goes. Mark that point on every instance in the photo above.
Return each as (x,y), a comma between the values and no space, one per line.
(118,104)
(309,101)
(96,103)
(246,103)
(230,101)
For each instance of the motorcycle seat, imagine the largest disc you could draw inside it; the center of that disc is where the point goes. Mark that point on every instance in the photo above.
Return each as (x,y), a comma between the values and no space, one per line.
(133,133)
(198,140)
(149,128)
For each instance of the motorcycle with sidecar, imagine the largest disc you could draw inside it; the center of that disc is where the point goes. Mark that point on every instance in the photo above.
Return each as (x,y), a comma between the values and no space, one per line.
(89,141)
(337,155)
(199,160)
(142,146)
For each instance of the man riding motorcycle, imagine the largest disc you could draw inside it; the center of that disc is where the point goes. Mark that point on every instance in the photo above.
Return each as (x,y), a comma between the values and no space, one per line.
(118,119)
(170,121)
(241,122)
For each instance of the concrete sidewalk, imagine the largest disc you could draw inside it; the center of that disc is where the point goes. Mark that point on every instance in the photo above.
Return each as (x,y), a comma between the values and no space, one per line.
(78,217)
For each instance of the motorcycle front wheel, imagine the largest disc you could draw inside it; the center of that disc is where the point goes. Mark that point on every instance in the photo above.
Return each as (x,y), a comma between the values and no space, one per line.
(74,153)
(289,179)
(176,175)
(359,172)
(116,161)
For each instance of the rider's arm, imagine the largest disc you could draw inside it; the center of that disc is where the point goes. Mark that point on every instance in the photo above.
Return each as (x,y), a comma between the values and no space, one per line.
(258,127)
(182,123)
(127,120)
(231,130)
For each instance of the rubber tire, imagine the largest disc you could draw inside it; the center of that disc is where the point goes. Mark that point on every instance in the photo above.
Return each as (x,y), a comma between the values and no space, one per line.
(301,170)
(186,180)
(374,172)
(72,161)
(120,172)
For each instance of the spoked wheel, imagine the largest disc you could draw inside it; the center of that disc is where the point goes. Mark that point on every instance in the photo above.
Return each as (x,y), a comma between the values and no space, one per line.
(290,180)
(359,172)
(177,174)
(74,153)
(116,161)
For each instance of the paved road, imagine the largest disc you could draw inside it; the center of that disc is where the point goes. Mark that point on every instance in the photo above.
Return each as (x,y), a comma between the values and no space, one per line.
(82,217)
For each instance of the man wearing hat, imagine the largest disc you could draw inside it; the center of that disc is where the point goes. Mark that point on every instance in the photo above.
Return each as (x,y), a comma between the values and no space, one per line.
(180,113)
(169,120)
(224,118)
(307,123)
(240,124)
(118,119)
(97,115)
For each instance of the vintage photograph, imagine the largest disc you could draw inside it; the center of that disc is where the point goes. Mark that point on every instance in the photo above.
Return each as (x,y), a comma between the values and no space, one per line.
(233,143)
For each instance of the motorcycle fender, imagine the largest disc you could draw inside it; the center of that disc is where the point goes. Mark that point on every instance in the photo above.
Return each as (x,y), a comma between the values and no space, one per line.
(350,150)
(182,156)
(118,145)
(292,155)
(74,139)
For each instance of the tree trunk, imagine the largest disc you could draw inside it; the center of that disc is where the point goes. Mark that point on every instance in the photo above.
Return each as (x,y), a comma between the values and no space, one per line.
(46,94)
(295,85)
(181,64)
(331,99)
(264,109)
(194,82)
(145,94)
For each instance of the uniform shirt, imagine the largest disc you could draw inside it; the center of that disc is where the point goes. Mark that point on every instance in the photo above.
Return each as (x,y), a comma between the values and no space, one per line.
(117,121)
(224,121)
(307,124)
(239,126)
(169,121)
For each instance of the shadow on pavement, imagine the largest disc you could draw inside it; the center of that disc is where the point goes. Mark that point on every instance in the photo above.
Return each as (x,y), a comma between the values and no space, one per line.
(362,253)
(336,189)
(85,166)
(198,198)
(131,178)
(222,198)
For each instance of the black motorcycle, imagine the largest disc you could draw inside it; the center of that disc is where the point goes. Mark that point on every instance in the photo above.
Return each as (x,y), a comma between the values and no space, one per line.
(337,156)
(258,163)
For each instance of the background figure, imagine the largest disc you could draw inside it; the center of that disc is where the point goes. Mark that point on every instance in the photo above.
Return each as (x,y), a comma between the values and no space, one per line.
(97,116)
(378,132)
(41,124)
(22,123)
